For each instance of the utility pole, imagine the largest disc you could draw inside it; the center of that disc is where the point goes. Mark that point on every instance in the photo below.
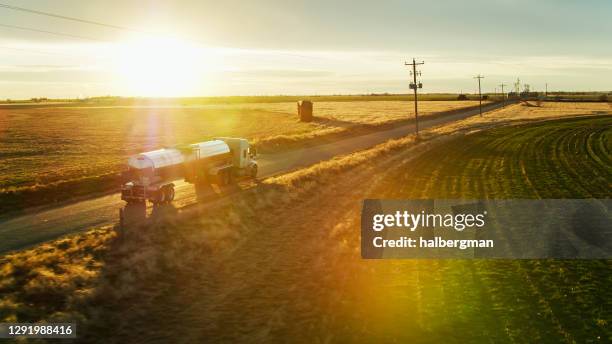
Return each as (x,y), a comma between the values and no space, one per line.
(546,92)
(479,93)
(414,86)
(503,94)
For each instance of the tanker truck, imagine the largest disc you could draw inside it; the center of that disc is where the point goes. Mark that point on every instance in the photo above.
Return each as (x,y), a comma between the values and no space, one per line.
(221,161)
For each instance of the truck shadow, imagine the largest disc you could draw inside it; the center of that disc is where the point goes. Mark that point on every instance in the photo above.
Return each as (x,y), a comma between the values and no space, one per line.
(203,192)
(132,213)
(135,215)
(163,212)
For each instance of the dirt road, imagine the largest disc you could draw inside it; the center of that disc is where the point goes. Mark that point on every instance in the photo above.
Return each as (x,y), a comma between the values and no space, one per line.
(40,225)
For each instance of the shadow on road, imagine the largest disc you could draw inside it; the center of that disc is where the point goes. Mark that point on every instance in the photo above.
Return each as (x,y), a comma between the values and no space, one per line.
(134,215)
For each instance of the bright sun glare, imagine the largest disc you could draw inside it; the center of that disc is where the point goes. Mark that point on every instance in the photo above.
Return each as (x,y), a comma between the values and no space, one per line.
(162,67)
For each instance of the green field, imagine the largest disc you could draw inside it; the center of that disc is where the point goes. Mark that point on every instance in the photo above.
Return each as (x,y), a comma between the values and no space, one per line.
(535,301)
(568,158)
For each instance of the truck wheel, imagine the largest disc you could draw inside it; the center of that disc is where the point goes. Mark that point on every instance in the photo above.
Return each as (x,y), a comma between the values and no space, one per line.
(161,196)
(170,194)
(253,171)
(224,178)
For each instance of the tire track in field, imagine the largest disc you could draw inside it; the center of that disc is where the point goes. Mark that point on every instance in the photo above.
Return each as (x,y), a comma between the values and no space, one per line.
(565,147)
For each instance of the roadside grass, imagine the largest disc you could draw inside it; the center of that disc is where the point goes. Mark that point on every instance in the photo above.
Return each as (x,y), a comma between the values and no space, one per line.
(46,281)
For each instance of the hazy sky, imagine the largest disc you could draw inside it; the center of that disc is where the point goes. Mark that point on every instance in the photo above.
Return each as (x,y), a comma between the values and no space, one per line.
(189,48)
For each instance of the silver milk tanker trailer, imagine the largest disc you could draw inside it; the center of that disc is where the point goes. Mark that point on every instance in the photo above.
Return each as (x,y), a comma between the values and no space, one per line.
(150,175)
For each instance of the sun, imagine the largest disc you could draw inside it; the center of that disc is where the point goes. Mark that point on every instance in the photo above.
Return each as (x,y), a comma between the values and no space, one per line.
(162,67)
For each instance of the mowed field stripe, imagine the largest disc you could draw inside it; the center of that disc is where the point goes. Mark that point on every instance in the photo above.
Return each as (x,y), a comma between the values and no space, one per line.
(532,300)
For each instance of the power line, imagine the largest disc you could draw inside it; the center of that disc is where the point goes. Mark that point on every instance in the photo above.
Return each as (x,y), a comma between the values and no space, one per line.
(415,86)
(49,32)
(59,16)
(112,26)
(479,93)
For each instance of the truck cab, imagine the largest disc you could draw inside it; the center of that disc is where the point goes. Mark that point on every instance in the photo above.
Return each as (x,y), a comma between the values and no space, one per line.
(243,156)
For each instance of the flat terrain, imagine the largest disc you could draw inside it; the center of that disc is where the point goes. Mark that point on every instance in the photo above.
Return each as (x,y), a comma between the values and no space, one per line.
(269,273)
(570,158)
(282,261)
(38,225)
(514,301)
(43,145)
(315,278)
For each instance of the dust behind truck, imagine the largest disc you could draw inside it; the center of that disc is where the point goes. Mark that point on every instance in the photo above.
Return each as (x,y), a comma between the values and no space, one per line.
(221,161)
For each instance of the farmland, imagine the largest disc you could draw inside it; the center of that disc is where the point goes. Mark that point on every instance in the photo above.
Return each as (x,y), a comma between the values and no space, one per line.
(256,269)
(520,301)
(82,148)
(240,291)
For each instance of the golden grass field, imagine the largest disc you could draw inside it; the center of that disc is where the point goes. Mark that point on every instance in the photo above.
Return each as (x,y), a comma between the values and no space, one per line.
(50,144)
(273,261)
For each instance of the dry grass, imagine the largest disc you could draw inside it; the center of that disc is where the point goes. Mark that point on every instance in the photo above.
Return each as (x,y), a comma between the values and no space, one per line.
(519,113)
(50,154)
(274,262)
(85,276)
(45,282)
(353,118)
(45,145)
(271,262)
